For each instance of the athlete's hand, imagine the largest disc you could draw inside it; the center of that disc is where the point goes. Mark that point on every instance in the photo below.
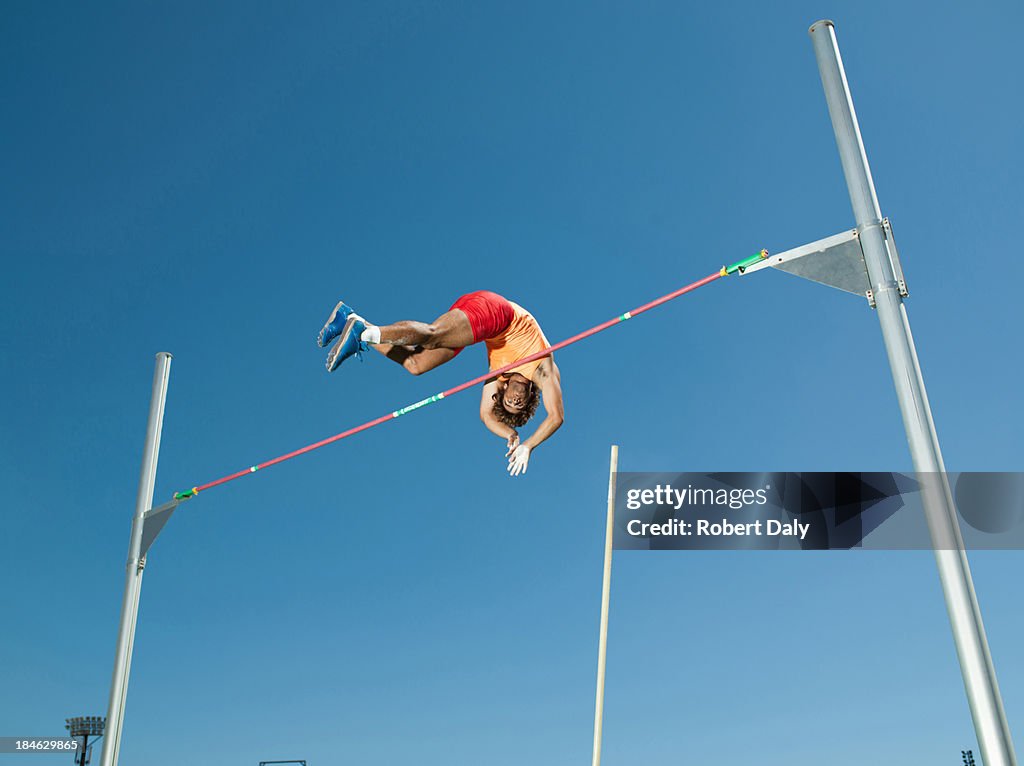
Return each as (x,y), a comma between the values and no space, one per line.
(519,460)
(513,442)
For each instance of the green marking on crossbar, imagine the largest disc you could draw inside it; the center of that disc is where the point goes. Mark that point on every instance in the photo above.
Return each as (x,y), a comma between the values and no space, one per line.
(417,405)
(741,265)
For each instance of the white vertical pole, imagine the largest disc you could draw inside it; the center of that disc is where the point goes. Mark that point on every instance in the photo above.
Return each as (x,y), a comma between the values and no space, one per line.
(136,564)
(606,589)
(976,666)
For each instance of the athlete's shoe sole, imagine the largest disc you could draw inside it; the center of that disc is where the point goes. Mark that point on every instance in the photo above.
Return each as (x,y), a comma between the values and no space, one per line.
(348,343)
(331,330)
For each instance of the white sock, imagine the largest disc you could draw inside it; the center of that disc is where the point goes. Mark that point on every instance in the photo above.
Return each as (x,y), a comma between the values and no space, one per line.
(371,334)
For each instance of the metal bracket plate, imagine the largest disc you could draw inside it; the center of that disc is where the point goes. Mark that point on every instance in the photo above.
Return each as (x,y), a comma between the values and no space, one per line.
(894,258)
(153,522)
(836,261)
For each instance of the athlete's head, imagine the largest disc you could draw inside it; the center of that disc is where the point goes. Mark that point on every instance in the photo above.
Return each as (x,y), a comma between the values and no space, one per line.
(516,401)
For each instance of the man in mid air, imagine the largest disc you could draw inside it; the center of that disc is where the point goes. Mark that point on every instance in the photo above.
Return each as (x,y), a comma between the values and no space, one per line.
(510,333)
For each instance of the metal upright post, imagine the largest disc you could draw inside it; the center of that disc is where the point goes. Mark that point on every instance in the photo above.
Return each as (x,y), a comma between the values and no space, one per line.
(979,675)
(136,564)
(606,588)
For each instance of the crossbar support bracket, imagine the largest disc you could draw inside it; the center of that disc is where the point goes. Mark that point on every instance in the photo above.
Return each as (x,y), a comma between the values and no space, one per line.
(836,261)
(153,522)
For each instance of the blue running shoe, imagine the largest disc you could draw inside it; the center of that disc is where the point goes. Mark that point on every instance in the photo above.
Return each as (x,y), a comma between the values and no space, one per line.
(348,343)
(334,325)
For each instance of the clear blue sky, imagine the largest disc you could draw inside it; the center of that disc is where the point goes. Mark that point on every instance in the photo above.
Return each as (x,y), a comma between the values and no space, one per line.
(208,179)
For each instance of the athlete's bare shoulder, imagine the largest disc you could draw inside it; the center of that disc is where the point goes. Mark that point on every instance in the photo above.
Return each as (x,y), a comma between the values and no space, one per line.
(547,368)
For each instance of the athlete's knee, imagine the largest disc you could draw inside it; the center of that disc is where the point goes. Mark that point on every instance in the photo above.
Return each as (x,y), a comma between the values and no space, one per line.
(433,336)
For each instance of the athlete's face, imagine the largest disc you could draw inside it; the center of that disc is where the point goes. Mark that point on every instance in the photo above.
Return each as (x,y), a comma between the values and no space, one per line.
(516,395)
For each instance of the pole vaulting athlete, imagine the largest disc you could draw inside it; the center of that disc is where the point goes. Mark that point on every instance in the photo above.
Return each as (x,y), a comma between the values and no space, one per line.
(510,333)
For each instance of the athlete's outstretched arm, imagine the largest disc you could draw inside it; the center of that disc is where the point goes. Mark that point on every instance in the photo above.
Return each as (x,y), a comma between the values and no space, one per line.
(549,380)
(551,394)
(495,426)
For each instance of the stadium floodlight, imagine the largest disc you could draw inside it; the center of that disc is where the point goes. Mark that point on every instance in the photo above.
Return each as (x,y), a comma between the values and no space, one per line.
(85,726)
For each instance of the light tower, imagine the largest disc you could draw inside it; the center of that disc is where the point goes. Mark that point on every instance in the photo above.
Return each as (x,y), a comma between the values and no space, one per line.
(85,727)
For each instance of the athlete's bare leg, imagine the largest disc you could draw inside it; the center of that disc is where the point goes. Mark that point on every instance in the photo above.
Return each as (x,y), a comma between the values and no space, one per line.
(416,360)
(450,330)
(420,347)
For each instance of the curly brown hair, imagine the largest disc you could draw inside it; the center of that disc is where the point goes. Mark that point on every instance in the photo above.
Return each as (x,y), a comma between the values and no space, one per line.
(516,419)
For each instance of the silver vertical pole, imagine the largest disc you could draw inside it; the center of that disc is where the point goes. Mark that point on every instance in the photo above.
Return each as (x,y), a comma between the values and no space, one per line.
(606,589)
(136,564)
(979,675)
